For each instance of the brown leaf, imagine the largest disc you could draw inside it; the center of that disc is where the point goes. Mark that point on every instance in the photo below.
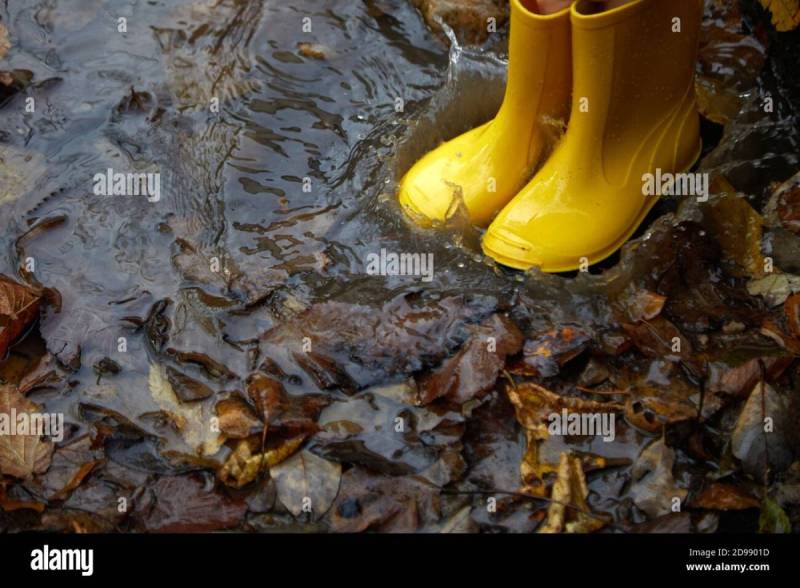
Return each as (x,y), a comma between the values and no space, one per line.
(186,388)
(236,418)
(474,369)
(71,464)
(19,306)
(285,415)
(186,504)
(659,338)
(21,456)
(722,496)
(544,355)
(644,305)
(307,483)
(383,503)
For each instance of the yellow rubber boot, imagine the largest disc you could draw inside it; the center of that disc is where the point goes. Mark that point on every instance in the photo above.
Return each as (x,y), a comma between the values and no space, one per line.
(633,112)
(488,165)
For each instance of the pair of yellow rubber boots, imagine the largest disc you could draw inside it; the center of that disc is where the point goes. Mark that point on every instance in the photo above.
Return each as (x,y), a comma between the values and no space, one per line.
(630,72)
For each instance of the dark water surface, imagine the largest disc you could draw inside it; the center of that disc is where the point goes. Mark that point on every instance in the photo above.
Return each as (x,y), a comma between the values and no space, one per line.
(269,206)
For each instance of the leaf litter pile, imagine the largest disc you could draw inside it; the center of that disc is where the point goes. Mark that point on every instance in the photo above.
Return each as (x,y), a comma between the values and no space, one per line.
(232,402)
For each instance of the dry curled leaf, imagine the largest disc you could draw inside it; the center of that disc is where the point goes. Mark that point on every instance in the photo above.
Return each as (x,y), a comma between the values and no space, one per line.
(21,456)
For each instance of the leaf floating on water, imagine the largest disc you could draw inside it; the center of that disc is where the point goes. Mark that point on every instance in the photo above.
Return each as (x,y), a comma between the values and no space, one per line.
(193,421)
(21,456)
(307,483)
(785,13)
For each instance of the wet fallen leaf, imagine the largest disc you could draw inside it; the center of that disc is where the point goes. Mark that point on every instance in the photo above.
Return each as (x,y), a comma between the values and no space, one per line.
(369,501)
(722,496)
(644,305)
(5,43)
(740,380)
(187,504)
(773,519)
(186,388)
(544,355)
(247,462)
(19,306)
(568,511)
(474,369)
(307,483)
(236,418)
(761,437)
(738,228)
(534,404)
(21,456)
(651,409)
(193,421)
(785,13)
(660,339)
(70,465)
(284,415)
(774,288)
(654,489)
(783,208)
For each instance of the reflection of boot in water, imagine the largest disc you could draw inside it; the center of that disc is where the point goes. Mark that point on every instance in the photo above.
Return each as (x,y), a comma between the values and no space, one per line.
(633,113)
(488,165)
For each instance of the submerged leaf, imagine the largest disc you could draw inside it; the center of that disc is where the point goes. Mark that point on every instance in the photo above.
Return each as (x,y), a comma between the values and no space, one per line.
(191,420)
(307,483)
(21,456)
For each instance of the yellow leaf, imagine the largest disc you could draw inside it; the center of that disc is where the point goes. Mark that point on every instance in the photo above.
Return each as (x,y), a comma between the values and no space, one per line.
(569,511)
(785,13)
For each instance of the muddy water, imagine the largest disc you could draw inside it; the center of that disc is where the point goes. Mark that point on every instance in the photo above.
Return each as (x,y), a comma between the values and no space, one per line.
(277,172)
